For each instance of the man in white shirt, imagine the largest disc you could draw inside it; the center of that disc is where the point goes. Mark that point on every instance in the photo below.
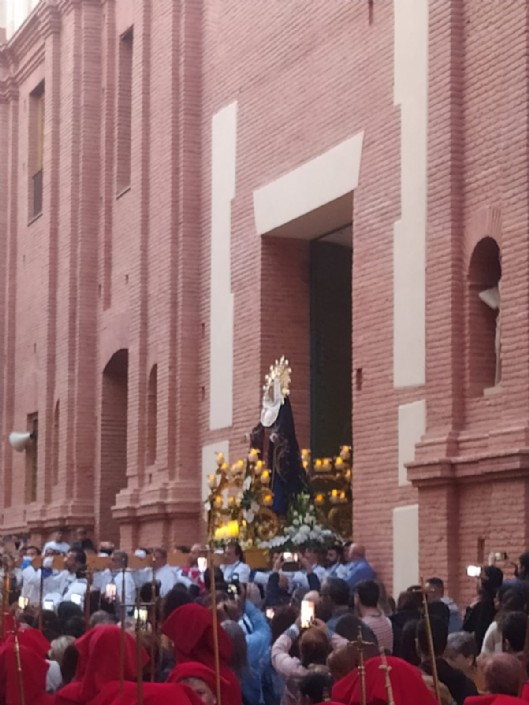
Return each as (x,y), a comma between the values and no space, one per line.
(57,544)
(73,579)
(51,582)
(309,564)
(119,577)
(234,568)
(163,572)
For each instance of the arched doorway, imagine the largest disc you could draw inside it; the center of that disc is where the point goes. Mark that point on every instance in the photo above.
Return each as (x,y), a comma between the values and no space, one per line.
(484,276)
(113,441)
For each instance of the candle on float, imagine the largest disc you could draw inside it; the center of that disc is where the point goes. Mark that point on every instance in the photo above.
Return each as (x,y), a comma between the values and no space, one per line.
(259,466)
(220,458)
(319,499)
(267,500)
(224,467)
(318,463)
(326,465)
(253,455)
(334,496)
(338,463)
(212,482)
(240,465)
(232,529)
(265,477)
(231,501)
(218,501)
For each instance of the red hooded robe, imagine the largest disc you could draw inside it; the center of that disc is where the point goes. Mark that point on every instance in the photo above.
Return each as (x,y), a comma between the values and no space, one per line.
(190,628)
(99,664)
(406,682)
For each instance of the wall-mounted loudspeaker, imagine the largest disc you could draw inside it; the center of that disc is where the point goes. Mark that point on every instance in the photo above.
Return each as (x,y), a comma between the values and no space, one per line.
(19,441)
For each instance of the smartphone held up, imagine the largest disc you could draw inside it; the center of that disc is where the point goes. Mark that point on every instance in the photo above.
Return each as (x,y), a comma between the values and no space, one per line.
(307,613)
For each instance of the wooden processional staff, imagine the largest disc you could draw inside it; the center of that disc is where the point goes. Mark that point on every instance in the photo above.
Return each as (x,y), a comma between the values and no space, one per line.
(431,647)
(361,646)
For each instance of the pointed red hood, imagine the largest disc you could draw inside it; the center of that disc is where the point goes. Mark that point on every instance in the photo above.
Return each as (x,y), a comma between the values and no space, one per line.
(196,623)
(99,664)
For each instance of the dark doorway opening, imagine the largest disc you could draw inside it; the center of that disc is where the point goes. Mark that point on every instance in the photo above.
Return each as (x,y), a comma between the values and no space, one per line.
(331,342)
(113,441)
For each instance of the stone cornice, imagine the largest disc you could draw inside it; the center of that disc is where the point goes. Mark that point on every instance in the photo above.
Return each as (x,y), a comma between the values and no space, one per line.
(476,468)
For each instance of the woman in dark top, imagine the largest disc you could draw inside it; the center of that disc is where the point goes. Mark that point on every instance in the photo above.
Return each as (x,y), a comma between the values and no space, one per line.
(479,615)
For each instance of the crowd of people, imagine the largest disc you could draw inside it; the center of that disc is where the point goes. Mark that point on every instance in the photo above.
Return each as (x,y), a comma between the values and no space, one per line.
(313,627)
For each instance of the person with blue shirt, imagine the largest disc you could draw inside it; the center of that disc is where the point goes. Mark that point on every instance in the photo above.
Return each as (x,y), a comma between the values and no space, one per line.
(358,568)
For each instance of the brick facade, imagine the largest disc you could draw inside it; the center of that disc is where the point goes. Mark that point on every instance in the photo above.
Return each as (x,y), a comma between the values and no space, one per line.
(113,279)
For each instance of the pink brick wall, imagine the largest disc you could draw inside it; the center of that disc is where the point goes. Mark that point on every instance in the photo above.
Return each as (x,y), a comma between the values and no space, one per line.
(98,273)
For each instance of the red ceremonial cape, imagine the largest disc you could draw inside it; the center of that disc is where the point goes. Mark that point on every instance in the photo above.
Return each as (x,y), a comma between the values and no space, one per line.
(493,699)
(34,669)
(406,682)
(153,694)
(99,664)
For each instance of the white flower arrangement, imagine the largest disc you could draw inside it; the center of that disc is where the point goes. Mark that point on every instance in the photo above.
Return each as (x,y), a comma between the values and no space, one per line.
(302,527)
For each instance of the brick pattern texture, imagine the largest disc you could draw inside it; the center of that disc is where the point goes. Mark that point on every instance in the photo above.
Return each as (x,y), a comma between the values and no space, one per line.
(106,269)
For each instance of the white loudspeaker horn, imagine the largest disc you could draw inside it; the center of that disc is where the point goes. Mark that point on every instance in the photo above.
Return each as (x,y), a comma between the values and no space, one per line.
(19,441)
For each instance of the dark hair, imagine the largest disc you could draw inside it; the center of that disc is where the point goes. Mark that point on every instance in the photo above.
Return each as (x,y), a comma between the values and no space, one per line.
(66,610)
(238,550)
(513,630)
(368,593)
(439,636)
(69,663)
(34,548)
(523,560)
(75,626)
(316,686)
(410,600)
(220,583)
(283,618)
(338,548)
(491,580)
(437,583)
(338,591)
(408,647)
(80,556)
(51,625)
(347,626)
(175,598)
(146,591)
(513,601)
(440,610)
